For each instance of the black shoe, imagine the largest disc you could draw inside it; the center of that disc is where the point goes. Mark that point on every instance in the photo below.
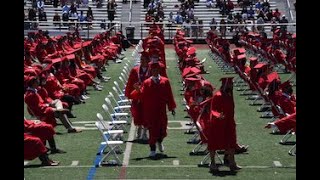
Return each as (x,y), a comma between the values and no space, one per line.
(57,151)
(242,150)
(70,115)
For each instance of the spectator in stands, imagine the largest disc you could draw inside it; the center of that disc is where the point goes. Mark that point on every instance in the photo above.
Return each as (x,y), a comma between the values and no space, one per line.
(251,13)
(160,13)
(103,24)
(34,4)
(190,13)
(40,5)
(268,15)
(146,3)
(223,29)
(283,20)
(111,7)
(90,17)
(213,24)
(42,16)
(200,28)
(238,17)
(65,9)
(187,26)
(273,21)
(260,23)
(210,3)
(277,14)
(82,18)
(178,19)
(73,11)
(194,28)
(171,18)
(230,20)
(261,14)
(55,3)
(32,16)
(230,5)
(258,6)
(65,18)
(99,3)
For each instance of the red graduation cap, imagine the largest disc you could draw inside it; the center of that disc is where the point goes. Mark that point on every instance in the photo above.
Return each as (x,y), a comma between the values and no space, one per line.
(238,51)
(226,80)
(193,79)
(191,50)
(294,35)
(241,56)
(253,58)
(86,43)
(118,33)
(70,56)
(284,85)
(260,65)
(253,34)
(273,76)
(190,70)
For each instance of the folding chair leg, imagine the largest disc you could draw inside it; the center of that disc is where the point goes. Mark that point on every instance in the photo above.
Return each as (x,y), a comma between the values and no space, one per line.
(286,137)
(292,151)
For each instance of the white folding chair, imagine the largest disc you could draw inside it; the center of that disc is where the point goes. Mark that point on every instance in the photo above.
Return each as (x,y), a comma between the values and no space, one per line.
(119,94)
(122,114)
(292,151)
(125,73)
(124,102)
(108,131)
(122,81)
(123,76)
(115,119)
(121,90)
(110,146)
(119,108)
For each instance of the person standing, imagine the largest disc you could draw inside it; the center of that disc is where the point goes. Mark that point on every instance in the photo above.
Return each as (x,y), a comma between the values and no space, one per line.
(156,94)
(137,75)
(222,129)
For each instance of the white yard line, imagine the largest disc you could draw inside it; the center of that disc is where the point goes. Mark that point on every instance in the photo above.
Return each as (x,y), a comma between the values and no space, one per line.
(127,152)
(168,166)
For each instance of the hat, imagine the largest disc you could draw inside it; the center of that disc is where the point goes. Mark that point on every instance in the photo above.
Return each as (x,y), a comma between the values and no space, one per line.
(253,58)
(154,65)
(273,76)
(118,33)
(192,79)
(260,65)
(227,80)
(284,85)
(190,70)
(241,56)
(191,50)
(238,51)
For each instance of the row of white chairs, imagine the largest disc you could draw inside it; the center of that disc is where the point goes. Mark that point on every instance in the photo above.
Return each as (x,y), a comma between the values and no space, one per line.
(117,109)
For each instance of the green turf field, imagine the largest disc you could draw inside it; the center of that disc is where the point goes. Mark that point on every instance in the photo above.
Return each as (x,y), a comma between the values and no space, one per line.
(266,158)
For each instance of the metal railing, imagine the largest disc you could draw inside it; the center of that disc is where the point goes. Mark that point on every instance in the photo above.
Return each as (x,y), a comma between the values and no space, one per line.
(88,30)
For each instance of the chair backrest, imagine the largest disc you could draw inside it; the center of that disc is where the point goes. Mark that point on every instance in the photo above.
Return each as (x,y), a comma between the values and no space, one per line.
(107,100)
(104,125)
(117,86)
(106,110)
(122,81)
(117,92)
(114,99)
(123,76)
(101,129)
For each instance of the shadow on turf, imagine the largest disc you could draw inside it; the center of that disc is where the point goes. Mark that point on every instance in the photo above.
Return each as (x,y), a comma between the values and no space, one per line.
(157,157)
(33,166)
(220,173)
(138,141)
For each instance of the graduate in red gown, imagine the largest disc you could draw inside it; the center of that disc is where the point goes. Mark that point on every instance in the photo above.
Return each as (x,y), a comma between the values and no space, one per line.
(223,127)
(136,77)
(156,95)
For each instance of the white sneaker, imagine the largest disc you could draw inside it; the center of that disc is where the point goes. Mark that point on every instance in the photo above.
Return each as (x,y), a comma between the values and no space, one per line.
(152,154)
(160,146)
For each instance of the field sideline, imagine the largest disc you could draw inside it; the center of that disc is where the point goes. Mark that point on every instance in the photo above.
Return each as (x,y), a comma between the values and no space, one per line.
(266,158)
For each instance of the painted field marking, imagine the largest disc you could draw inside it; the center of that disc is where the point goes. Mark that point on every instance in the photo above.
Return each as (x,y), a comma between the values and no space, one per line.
(175,162)
(277,164)
(168,166)
(83,122)
(74,163)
